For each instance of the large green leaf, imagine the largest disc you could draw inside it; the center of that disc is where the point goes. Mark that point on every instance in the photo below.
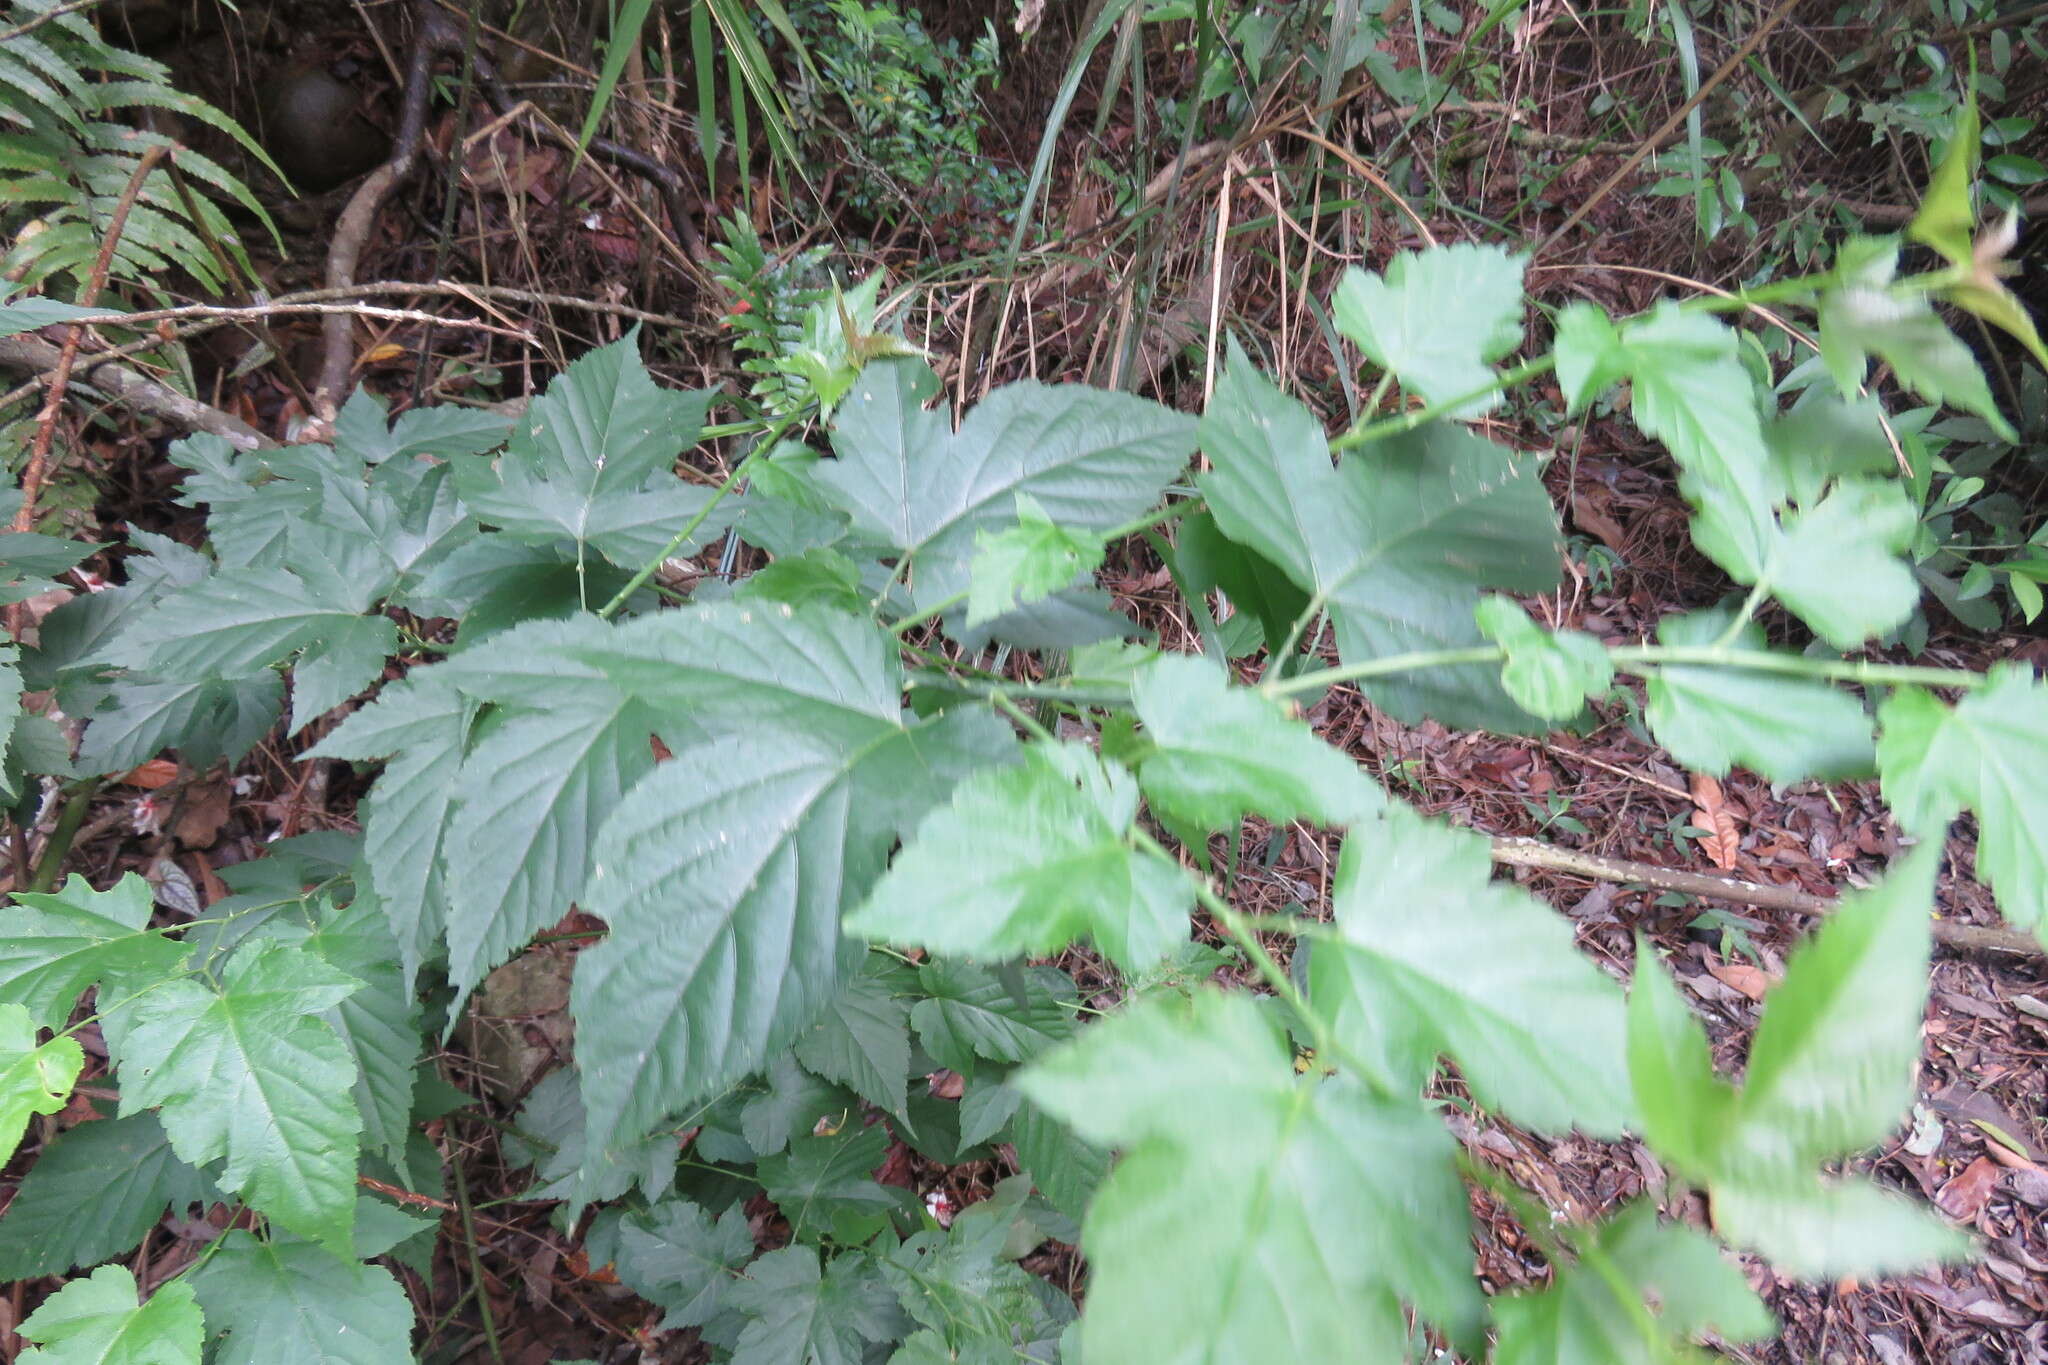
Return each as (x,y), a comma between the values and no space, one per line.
(967,1013)
(1831,1072)
(35,1078)
(1715,717)
(423,726)
(1678,1286)
(821,1179)
(378,1023)
(97,1321)
(1986,754)
(1837,563)
(54,945)
(963,1286)
(1395,543)
(207,720)
(277,1301)
(245,1071)
(1066,1167)
(591,462)
(676,1256)
(1256,1214)
(1090,459)
(1216,752)
(1027,563)
(1430,956)
(92,1194)
(798,1315)
(363,430)
(1438,320)
(723,879)
(862,1041)
(1027,859)
(242,620)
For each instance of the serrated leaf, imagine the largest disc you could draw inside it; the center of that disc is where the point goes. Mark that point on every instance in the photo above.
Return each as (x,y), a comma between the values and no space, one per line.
(1321,1207)
(92,1194)
(962,1284)
(862,1041)
(1438,319)
(1837,563)
(208,720)
(792,1103)
(1862,316)
(1091,459)
(378,1023)
(34,312)
(1217,752)
(97,1321)
(35,1078)
(1026,563)
(1066,1167)
(292,1301)
(723,880)
(1211,562)
(820,1178)
(1945,216)
(1431,956)
(1548,673)
(1818,1229)
(530,799)
(986,1105)
(1687,1111)
(820,577)
(1680,1286)
(424,726)
(1397,541)
(591,462)
(1982,754)
(549,1138)
(797,1315)
(675,1256)
(244,1071)
(363,430)
(966,1014)
(242,620)
(1715,717)
(1027,859)
(54,945)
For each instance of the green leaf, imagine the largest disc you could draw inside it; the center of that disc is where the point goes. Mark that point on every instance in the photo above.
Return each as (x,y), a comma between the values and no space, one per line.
(1832,1067)
(675,1256)
(208,720)
(1218,751)
(246,1071)
(1983,754)
(1432,956)
(966,1014)
(1946,216)
(363,430)
(378,1023)
(1320,1208)
(1091,460)
(1817,1229)
(1066,1167)
(591,462)
(92,1194)
(1715,717)
(54,945)
(819,1179)
(1209,562)
(97,1321)
(34,1078)
(1438,320)
(723,879)
(241,620)
(1548,673)
(1687,1110)
(963,1285)
(821,577)
(1679,1283)
(1397,541)
(792,1103)
(424,726)
(799,1316)
(293,1301)
(1027,859)
(1863,316)
(549,1137)
(862,1041)
(35,312)
(1837,563)
(1025,564)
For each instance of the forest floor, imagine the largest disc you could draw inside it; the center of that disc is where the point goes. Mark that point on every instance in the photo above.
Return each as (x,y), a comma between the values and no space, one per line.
(1977,1145)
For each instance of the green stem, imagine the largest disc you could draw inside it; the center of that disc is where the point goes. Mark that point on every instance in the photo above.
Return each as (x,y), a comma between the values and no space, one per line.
(1366,432)
(1833,670)
(1158,516)
(924,614)
(1374,668)
(994,690)
(653,566)
(78,801)
(476,1263)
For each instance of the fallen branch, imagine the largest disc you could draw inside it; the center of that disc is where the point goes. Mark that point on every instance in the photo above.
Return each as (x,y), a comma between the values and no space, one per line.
(1961,938)
(135,391)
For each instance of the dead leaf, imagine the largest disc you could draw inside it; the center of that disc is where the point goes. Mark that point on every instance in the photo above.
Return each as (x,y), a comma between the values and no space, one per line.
(158,772)
(204,811)
(1751,981)
(946,1085)
(382,352)
(1965,1196)
(1725,840)
(1589,517)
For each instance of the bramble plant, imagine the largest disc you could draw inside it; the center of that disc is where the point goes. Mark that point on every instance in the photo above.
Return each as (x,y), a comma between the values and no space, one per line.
(827,794)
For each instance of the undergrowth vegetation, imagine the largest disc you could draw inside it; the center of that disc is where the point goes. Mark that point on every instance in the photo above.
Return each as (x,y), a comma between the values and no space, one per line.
(831,833)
